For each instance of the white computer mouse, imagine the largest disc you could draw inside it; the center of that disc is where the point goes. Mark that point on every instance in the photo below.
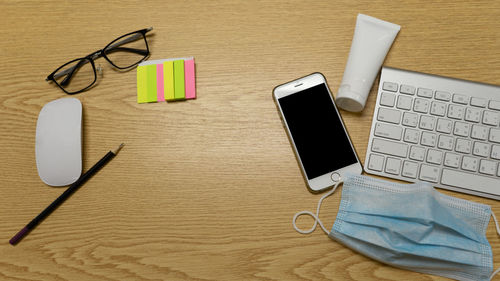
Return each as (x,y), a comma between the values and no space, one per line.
(59,142)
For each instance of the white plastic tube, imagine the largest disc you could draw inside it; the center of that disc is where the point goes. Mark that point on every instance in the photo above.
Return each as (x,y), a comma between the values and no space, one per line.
(371,42)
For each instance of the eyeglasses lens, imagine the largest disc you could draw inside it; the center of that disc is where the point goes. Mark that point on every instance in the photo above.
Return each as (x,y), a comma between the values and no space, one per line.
(127,51)
(75,76)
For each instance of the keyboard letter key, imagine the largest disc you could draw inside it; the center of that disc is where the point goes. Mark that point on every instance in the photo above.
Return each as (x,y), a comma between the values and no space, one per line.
(491,118)
(494,135)
(480,132)
(410,119)
(487,167)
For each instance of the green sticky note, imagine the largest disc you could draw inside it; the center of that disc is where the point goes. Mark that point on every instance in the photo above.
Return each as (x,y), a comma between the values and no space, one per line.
(141,85)
(179,91)
(151,83)
(168,80)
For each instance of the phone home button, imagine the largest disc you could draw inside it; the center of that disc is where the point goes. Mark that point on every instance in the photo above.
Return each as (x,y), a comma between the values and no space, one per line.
(335,177)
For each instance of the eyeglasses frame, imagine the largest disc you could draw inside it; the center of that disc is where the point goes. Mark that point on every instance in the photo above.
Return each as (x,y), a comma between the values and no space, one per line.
(95,55)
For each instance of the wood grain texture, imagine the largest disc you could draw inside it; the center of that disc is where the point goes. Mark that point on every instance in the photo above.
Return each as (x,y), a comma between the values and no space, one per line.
(204,189)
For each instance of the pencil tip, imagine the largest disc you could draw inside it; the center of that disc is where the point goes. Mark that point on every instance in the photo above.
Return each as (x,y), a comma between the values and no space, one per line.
(13,241)
(118,148)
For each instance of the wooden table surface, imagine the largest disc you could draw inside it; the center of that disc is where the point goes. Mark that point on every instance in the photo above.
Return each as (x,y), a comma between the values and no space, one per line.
(204,189)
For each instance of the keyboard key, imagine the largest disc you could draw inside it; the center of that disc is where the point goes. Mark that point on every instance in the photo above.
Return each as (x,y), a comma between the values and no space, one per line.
(478,102)
(417,153)
(427,122)
(387,99)
(444,96)
(389,86)
(494,104)
(410,119)
(406,89)
(429,173)
(472,114)
(451,160)
(495,152)
(392,166)
(438,108)
(494,135)
(410,169)
(470,181)
(455,111)
(411,135)
(376,162)
(461,129)
(491,118)
(428,139)
(426,93)
(445,142)
(434,156)
(388,131)
(470,163)
(463,146)
(487,167)
(421,105)
(389,147)
(481,149)
(444,126)
(389,115)
(480,132)
(404,102)
(461,99)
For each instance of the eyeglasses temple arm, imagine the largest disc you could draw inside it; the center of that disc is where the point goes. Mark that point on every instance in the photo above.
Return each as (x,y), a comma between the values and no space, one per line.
(131,50)
(129,39)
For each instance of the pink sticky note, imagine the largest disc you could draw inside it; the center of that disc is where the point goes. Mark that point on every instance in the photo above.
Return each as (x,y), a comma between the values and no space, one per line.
(189,79)
(159,82)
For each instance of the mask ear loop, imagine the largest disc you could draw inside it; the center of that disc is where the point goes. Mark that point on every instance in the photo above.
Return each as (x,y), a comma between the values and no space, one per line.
(498,232)
(315,216)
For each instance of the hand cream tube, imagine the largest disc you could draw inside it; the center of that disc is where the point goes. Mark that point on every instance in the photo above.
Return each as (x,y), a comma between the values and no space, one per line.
(371,42)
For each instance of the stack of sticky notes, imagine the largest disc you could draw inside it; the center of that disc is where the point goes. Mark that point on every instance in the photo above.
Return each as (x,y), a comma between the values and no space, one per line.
(166,80)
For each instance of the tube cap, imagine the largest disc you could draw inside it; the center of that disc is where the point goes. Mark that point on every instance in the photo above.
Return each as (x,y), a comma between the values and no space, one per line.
(349,100)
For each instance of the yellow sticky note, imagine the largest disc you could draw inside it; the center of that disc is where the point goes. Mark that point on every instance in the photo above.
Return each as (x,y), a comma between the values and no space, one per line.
(141,85)
(179,91)
(168,80)
(151,95)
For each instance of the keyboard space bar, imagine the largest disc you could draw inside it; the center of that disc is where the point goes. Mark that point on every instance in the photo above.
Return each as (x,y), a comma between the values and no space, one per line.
(471,181)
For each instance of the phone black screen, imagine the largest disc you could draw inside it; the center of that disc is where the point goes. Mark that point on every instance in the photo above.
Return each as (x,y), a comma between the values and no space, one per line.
(322,144)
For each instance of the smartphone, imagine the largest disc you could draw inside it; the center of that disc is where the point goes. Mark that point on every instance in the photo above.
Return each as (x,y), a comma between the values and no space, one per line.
(316,131)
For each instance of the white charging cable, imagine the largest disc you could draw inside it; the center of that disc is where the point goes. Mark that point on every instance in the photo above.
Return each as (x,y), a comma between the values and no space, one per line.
(315,216)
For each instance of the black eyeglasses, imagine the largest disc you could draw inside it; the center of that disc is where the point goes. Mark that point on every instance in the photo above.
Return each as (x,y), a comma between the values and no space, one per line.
(124,52)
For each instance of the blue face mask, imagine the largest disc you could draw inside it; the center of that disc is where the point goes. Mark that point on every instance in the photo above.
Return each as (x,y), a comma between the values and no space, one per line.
(412,226)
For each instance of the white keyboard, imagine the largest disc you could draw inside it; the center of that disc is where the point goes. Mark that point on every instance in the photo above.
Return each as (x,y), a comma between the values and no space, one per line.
(436,129)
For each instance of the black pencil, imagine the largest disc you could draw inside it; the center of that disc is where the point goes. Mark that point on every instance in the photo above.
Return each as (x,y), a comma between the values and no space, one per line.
(74,187)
